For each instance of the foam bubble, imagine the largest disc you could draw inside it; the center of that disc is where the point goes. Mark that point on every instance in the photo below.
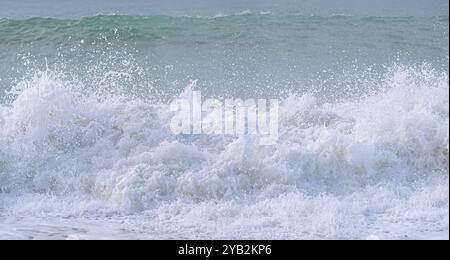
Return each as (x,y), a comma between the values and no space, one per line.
(338,171)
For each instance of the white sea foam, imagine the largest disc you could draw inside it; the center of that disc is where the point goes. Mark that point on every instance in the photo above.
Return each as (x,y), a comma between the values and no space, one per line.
(374,167)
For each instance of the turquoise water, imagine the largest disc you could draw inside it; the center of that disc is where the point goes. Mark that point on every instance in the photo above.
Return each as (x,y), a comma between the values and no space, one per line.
(252,54)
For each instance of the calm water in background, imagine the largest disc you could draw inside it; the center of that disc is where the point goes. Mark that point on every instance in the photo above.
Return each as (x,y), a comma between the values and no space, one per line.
(75,9)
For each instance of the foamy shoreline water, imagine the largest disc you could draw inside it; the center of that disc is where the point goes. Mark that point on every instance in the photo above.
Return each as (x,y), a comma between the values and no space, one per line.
(338,171)
(87,151)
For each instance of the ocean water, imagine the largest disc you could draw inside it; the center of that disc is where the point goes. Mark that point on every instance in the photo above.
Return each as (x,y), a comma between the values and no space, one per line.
(86,151)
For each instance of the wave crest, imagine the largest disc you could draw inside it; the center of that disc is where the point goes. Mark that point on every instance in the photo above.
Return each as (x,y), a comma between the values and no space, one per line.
(56,138)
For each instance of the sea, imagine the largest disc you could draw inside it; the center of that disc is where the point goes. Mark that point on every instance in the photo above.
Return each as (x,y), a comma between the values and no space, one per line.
(86,149)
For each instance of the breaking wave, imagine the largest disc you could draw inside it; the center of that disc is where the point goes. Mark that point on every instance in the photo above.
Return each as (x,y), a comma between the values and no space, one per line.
(58,139)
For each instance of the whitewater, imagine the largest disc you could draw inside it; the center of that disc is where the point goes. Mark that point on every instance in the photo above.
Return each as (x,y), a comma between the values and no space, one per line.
(78,165)
(87,152)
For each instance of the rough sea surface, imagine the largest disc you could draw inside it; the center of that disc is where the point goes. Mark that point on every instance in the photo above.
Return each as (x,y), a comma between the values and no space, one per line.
(86,151)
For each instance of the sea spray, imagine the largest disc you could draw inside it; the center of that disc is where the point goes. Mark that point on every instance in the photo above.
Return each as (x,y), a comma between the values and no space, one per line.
(56,140)
(86,149)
